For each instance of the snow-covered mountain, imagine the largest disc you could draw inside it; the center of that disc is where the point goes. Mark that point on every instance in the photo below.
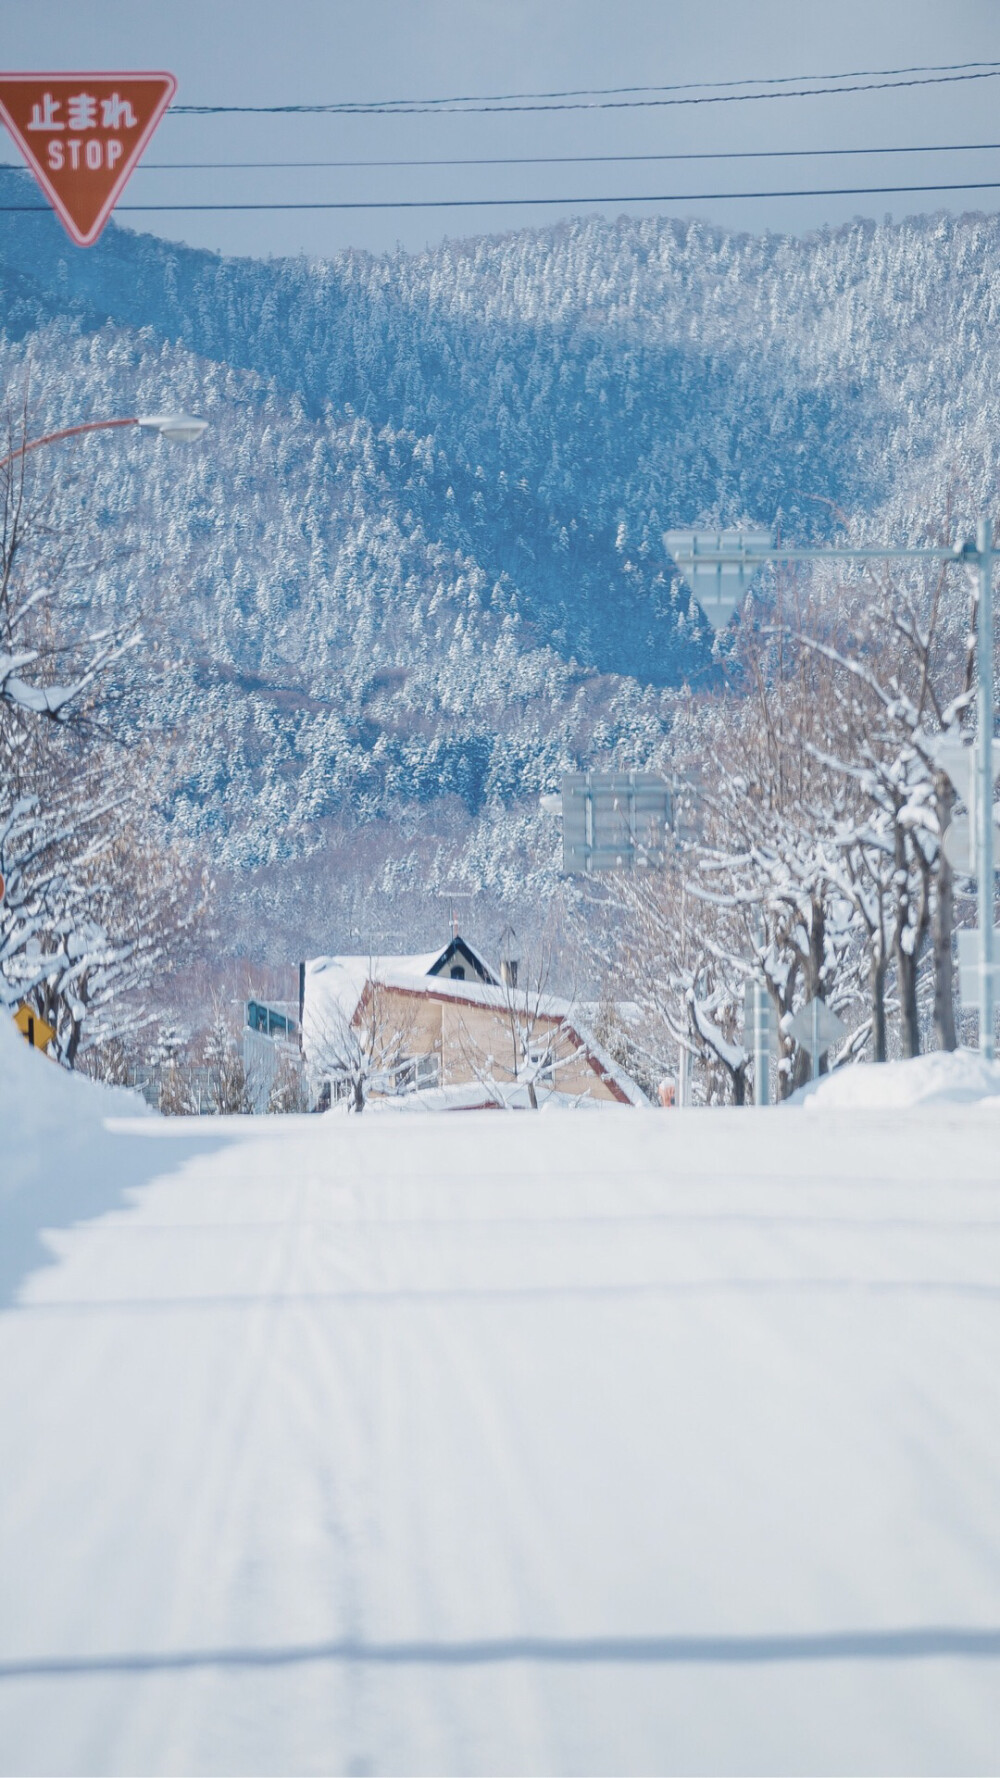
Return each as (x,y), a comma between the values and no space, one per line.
(415,569)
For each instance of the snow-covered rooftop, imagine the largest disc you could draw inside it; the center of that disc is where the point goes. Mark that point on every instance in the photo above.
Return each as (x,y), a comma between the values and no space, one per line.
(334,985)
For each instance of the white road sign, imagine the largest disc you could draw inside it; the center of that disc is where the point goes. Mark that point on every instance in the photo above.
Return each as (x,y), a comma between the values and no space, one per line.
(959,759)
(816,1028)
(958,848)
(968,964)
(614,821)
(718,586)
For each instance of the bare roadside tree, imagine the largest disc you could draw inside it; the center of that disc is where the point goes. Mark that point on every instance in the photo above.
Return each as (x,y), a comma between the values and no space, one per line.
(906,681)
(96,896)
(358,1040)
(517,1038)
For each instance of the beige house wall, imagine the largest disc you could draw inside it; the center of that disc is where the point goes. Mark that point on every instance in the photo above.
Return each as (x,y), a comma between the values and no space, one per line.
(474,1042)
(416,1016)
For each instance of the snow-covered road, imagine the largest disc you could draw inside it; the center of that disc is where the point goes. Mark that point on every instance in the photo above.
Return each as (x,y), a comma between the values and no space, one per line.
(621,1442)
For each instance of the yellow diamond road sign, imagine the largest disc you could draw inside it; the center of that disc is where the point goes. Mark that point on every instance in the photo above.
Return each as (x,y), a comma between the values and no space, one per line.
(31,1025)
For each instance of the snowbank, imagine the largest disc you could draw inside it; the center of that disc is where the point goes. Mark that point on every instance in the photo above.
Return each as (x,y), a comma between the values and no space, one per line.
(72,1150)
(45,1113)
(961,1077)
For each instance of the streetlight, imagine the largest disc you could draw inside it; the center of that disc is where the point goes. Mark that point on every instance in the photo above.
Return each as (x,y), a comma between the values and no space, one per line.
(180,428)
(717,565)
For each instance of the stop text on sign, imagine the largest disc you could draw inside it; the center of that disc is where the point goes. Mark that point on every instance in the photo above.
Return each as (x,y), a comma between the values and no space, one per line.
(82,135)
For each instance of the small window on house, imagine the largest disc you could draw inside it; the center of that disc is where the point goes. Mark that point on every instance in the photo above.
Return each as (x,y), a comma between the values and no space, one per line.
(428,1070)
(414,1072)
(458,972)
(541,1059)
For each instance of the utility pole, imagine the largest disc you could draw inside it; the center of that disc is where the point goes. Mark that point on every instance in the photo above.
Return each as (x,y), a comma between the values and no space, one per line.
(984,787)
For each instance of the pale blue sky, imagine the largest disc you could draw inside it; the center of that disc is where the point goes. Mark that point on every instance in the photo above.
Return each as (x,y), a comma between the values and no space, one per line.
(275,51)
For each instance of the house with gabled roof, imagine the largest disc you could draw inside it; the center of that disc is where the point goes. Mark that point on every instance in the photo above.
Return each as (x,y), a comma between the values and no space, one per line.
(442,1030)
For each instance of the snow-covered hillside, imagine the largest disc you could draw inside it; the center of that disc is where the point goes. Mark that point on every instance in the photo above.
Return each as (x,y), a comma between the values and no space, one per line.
(416,569)
(658,1441)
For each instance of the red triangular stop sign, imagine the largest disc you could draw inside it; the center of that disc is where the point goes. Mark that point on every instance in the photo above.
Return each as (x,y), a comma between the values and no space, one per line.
(81,135)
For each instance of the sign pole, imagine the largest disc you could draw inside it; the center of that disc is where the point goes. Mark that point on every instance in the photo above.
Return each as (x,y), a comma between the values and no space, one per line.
(761,1041)
(761,1021)
(984,788)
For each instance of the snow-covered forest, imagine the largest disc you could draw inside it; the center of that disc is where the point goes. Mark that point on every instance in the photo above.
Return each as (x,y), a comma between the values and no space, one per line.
(415,570)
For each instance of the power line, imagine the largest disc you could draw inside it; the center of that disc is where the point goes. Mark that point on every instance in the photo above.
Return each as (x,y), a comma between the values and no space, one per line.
(668,197)
(564,160)
(442,107)
(555,160)
(599,92)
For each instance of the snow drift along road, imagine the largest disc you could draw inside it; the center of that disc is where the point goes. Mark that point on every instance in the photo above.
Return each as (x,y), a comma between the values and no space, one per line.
(649,1441)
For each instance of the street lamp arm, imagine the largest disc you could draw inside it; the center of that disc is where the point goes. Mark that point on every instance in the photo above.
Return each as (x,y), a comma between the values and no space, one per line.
(66,432)
(183,428)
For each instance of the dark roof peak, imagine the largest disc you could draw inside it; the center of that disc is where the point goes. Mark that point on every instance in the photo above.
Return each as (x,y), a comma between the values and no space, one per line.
(459,954)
